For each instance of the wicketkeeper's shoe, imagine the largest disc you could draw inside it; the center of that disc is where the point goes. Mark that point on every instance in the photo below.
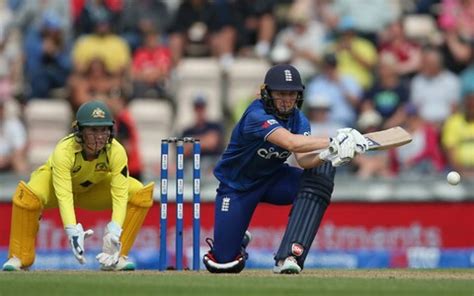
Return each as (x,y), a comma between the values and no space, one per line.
(12,264)
(123,265)
(287,266)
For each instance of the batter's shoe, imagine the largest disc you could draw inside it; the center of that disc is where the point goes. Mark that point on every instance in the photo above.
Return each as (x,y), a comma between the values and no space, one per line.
(287,266)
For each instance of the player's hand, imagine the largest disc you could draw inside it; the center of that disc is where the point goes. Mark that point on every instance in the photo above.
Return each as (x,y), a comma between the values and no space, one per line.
(76,236)
(111,246)
(360,141)
(341,150)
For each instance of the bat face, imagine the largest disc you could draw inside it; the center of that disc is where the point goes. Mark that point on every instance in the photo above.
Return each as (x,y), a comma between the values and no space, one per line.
(389,138)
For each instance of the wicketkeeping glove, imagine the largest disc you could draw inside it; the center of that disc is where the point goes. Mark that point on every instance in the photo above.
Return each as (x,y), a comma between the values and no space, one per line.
(111,246)
(76,236)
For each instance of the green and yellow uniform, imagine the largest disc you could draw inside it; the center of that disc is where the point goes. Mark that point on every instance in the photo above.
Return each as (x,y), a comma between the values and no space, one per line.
(68,180)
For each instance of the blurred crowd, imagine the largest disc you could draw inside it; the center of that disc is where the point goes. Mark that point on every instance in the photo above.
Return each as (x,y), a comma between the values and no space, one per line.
(368,64)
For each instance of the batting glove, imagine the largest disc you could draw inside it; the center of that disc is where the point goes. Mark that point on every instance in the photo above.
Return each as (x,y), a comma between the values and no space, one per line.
(341,150)
(76,236)
(360,141)
(111,246)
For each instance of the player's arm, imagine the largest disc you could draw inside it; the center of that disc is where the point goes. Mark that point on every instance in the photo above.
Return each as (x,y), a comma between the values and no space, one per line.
(61,164)
(339,150)
(119,183)
(308,160)
(112,245)
(297,143)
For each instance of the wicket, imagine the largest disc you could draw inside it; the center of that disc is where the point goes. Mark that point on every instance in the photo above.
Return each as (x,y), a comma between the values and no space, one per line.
(180,142)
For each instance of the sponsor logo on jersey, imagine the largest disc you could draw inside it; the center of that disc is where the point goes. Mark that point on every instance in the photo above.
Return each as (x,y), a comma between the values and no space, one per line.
(297,249)
(270,153)
(268,123)
(101,167)
(76,169)
(98,113)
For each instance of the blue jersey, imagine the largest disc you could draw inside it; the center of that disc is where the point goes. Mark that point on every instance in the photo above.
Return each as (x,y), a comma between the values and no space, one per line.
(249,158)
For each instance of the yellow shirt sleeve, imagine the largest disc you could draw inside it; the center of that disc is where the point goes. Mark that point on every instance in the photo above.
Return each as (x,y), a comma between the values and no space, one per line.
(61,163)
(450,138)
(119,181)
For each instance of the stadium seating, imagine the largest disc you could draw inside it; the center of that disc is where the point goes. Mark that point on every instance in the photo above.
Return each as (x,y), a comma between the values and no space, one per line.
(154,120)
(245,78)
(47,121)
(197,76)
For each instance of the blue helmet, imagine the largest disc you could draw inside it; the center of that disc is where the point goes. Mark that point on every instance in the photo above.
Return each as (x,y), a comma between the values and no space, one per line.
(281,77)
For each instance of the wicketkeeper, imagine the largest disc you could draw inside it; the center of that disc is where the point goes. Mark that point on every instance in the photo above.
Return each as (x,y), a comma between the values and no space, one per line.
(87,169)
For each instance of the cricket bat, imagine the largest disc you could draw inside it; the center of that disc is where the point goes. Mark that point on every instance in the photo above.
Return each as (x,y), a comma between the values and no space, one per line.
(382,140)
(389,138)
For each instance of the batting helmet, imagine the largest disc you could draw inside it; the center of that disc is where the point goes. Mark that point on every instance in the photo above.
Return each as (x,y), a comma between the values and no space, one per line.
(281,77)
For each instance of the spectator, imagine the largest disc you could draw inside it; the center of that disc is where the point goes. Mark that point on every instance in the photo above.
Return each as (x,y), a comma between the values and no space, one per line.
(139,16)
(458,137)
(13,142)
(372,163)
(86,12)
(389,94)
(211,135)
(369,16)
(126,133)
(102,44)
(456,19)
(256,26)
(406,53)
(30,15)
(47,53)
(423,155)
(319,108)
(304,40)
(10,63)
(95,82)
(435,91)
(151,67)
(467,76)
(357,56)
(341,89)
(202,28)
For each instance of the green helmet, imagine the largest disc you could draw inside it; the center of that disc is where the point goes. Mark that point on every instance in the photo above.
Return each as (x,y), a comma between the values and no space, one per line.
(94,113)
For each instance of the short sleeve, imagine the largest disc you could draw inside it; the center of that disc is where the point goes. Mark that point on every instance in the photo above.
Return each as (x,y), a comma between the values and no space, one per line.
(259,125)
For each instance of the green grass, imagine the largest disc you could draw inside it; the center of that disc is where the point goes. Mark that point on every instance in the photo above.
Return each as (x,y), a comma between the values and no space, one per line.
(252,282)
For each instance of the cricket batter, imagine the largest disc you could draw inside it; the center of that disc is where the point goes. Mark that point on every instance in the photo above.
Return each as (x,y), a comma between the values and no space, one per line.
(87,169)
(253,170)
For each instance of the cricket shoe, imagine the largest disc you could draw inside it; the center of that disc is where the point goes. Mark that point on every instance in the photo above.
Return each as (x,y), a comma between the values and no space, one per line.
(123,265)
(287,266)
(12,264)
